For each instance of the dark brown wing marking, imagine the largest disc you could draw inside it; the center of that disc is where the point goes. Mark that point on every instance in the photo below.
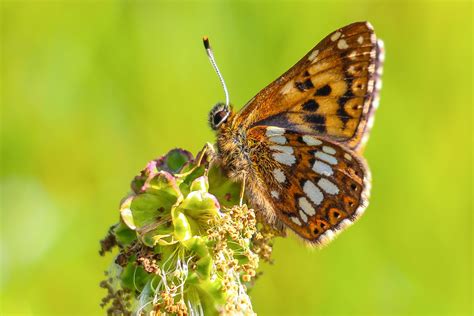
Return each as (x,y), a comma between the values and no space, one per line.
(330,91)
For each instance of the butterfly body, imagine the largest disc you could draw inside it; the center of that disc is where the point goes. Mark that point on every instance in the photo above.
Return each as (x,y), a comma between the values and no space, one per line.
(297,143)
(246,157)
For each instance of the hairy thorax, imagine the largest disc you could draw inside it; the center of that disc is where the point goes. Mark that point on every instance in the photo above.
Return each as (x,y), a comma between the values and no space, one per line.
(233,152)
(236,150)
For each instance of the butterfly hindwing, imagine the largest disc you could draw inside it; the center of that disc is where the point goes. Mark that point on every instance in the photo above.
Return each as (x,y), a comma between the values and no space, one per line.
(331,91)
(315,186)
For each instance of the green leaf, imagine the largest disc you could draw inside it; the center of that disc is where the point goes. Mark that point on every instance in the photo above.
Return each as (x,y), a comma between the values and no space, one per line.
(161,194)
(127,218)
(124,235)
(162,182)
(176,158)
(146,208)
(126,213)
(226,191)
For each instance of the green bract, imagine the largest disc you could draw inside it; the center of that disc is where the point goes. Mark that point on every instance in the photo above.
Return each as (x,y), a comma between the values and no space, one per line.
(185,245)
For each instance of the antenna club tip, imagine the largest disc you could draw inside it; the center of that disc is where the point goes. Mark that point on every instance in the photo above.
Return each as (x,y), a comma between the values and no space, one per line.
(205,40)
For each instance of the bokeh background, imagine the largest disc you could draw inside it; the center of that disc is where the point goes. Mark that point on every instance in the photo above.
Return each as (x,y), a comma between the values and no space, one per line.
(92,90)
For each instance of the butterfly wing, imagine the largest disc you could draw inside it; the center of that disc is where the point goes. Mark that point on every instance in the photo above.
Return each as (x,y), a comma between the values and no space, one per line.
(331,91)
(313,185)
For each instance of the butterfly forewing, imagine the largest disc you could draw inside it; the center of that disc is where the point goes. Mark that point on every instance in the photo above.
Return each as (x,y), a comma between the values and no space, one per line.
(330,91)
(315,186)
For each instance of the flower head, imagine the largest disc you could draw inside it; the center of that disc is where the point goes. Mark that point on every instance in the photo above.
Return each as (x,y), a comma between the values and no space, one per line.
(185,244)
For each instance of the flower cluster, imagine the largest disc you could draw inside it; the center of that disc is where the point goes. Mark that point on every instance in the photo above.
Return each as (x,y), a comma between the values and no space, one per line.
(186,245)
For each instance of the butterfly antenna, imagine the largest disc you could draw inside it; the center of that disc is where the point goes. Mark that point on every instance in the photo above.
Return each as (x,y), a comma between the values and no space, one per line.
(210,54)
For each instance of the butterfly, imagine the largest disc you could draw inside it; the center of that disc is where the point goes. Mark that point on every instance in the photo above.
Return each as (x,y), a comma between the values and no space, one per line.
(297,144)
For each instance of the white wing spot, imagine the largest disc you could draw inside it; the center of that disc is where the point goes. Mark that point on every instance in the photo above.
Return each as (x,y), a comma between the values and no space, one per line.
(335,36)
(365,138)
(322,168)
(278,139)
(342,44)
(311,140)
(287,87)
(296,220)
(313,192)
(372,53)
(347,156)
(344,224)
(275,194)
(370,85)
(328,186)
(313,55)
(371,68)
(360,40)
(274,131)
(382,50)
(329,150)
(285,149)
(279,175)
(370,123)
(325,157)
(285,158)
(303,216)
(306,206)
(376,102)
(378,85)
(373,38)
(327,236)
(379,70)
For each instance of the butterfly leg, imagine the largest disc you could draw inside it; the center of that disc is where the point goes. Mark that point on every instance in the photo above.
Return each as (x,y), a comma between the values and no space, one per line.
(207,151)
(242,192)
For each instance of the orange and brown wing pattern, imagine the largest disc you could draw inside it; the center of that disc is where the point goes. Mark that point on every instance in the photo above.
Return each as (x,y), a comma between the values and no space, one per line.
(331,91)
(315,186)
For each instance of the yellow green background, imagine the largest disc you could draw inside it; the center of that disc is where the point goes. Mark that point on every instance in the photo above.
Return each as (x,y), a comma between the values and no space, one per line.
(92,90)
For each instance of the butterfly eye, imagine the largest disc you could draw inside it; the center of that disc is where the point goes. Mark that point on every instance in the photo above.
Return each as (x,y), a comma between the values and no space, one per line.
(218,115)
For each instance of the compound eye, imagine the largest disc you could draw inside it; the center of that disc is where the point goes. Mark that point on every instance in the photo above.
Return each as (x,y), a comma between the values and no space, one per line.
(219,117)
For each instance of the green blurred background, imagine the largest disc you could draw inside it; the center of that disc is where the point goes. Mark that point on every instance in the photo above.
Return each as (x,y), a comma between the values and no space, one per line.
(92,90)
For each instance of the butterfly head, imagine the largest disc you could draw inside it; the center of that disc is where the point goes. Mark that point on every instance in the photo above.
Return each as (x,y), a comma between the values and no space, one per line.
(219,115)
